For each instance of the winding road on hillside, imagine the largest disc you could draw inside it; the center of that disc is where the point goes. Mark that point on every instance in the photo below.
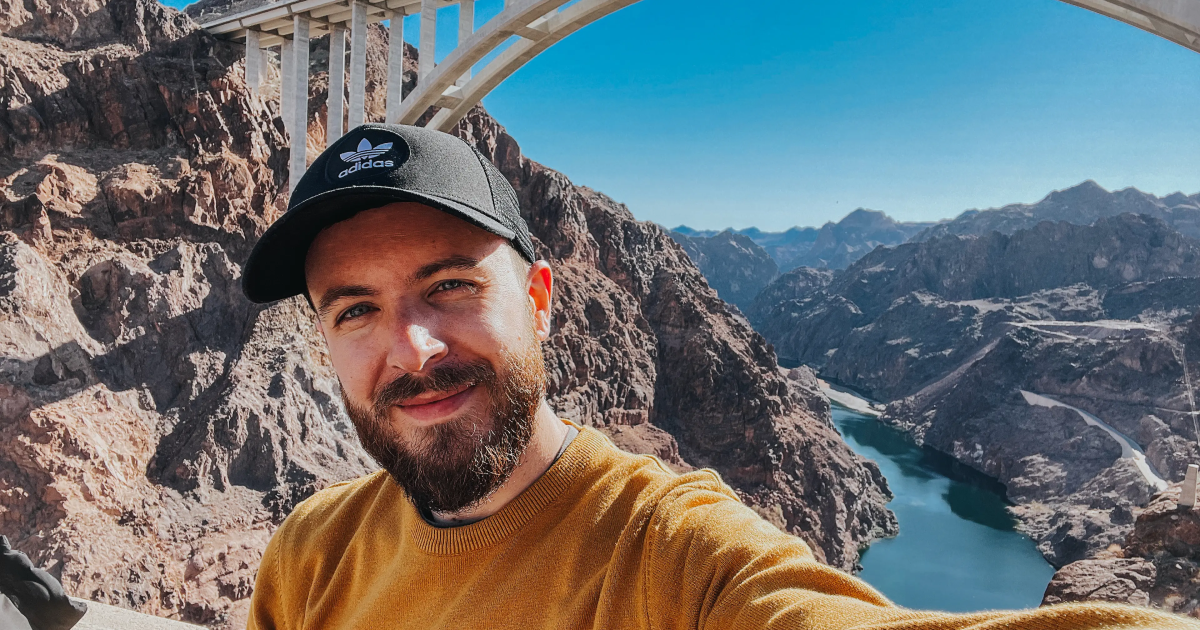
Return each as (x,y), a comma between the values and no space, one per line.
(1129,449)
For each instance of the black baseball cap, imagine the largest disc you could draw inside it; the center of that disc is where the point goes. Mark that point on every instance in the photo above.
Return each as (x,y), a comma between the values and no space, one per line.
(371,166)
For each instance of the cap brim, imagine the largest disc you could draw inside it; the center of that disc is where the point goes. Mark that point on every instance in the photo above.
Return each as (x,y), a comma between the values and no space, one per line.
(275,268)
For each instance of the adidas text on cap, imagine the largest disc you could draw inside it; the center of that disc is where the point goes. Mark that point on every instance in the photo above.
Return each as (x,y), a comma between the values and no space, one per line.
(371,166)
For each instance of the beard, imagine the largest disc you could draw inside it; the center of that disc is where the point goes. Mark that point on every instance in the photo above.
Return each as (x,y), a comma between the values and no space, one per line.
(457,464)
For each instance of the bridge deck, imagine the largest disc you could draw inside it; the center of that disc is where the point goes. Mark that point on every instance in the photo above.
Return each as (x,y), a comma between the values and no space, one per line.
(274,21)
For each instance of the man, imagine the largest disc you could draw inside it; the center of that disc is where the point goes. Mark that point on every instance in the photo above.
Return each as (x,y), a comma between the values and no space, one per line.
(490,512)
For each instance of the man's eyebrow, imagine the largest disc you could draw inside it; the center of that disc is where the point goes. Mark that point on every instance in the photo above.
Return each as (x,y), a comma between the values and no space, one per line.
(344,291)
(451,262)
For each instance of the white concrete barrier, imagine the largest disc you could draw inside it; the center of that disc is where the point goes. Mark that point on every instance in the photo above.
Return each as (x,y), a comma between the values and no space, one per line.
(104,617)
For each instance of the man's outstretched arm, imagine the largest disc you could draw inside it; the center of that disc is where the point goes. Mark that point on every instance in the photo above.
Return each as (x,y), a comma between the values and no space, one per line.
(714,564)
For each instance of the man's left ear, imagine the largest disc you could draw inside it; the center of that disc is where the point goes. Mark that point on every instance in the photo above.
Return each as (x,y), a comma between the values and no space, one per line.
(541,296)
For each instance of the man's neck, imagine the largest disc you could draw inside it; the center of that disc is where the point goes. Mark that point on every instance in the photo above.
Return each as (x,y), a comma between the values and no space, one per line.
(548,435)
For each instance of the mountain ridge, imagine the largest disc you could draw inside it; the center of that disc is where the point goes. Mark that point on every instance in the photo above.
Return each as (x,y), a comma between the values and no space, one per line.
(1083,204)
(834,245)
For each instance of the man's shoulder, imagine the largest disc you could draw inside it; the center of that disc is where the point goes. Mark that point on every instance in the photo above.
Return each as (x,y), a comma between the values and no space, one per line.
(655,484)
(330,510)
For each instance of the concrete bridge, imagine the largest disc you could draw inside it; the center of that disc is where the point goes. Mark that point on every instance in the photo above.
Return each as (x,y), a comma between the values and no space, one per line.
(450,85)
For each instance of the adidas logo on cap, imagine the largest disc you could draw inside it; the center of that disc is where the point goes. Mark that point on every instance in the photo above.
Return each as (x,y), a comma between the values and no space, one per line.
(363,157)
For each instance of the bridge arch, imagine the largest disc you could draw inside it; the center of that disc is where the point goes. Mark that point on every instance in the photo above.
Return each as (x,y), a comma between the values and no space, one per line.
(1175,20)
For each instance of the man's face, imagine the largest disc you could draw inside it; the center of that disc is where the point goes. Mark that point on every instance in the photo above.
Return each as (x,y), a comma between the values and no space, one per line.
(434,329)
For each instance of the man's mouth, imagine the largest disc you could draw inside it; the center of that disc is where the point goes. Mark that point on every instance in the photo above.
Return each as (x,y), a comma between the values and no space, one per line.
(438,406)
(429,398)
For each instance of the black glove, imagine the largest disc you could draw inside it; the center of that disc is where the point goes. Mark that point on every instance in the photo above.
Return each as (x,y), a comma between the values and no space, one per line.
(36,593)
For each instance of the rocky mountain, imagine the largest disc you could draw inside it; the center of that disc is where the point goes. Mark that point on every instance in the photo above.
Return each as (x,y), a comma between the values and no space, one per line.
(155,427)
(1083,204)
(735,266)
(832,246)
(839,244)
(1157,564)
(782,247)
(1125,255)
(989,348)
(1081,421)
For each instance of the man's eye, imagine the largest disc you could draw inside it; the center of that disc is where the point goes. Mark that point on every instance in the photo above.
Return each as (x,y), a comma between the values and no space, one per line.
(357,310)
(449,285)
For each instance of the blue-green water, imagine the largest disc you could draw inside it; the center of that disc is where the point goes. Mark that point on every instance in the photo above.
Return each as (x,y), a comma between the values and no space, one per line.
(957,549)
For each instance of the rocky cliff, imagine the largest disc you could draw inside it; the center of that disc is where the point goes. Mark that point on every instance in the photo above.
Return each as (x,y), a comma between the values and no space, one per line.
(1083,204)
(1157,565)
(1012,410)
(735,266)
(156,427)
(958,332)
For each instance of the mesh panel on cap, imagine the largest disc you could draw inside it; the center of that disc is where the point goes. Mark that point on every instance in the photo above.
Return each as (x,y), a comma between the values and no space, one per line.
(508,209)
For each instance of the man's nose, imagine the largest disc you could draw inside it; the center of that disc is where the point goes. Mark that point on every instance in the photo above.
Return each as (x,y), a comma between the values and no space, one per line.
(413,346)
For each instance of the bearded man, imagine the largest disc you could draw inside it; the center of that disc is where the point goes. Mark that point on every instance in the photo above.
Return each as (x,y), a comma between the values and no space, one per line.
(489,511)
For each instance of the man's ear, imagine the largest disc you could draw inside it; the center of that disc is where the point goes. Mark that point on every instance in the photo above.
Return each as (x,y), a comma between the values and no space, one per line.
(541,295)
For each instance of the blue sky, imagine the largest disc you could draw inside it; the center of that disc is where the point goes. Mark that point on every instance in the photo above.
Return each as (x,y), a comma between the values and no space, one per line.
(794,113)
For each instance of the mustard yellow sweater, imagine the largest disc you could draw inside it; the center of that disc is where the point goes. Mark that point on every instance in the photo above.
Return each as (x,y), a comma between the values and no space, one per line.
(604,539)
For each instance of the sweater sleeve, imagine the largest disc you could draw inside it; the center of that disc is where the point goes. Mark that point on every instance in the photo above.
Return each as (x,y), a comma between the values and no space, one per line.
(266,603)
(712,563)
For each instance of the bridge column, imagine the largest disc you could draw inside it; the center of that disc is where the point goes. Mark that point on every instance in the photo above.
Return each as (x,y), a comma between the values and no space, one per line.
(428,39)
(395,80)
(299,107)
(335,106)
(264,65)
(253,62)
(287,83)
(466,26)
(1187,495)
(358,63)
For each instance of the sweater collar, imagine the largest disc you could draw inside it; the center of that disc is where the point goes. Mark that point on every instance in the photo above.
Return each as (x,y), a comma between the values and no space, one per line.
(579,456)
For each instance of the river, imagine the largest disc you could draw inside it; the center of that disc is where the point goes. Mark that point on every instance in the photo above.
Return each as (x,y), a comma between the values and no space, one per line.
(958,549)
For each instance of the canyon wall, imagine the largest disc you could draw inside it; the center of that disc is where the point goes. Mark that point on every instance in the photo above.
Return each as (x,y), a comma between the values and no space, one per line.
(1054,359)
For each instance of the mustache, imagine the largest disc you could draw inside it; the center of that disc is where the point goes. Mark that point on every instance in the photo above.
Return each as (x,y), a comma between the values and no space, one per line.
(440,378)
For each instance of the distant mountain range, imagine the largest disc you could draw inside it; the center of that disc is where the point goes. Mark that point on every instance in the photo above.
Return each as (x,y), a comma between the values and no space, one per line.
(837,245)
(833,245)
(1083,205)
(732,263)
(737,262)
